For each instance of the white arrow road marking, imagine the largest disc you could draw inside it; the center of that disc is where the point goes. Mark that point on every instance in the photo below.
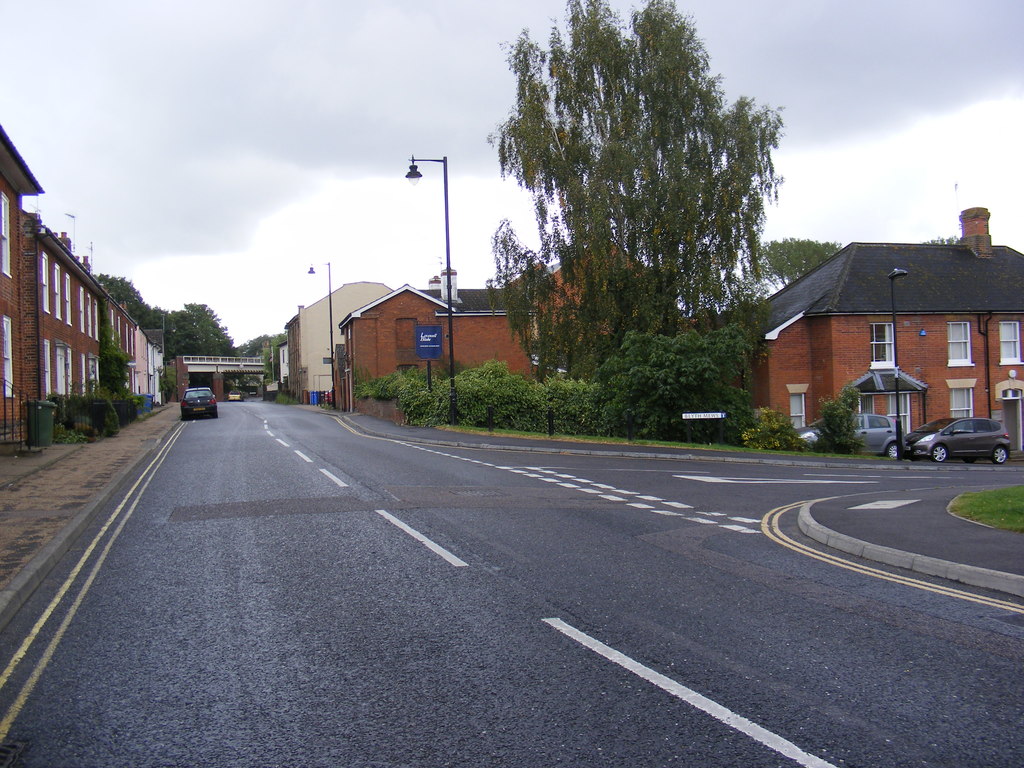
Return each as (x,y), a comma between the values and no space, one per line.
(768,480)
(886,504)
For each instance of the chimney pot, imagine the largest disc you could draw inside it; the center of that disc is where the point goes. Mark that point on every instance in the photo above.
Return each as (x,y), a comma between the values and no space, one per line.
(449,275)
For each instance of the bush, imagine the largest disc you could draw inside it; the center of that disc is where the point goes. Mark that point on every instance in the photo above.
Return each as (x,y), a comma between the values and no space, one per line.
(421,406)
(575,404)
(838,430)
(658,378)
(64,436)
(518,404)
(111,424)
(773,432)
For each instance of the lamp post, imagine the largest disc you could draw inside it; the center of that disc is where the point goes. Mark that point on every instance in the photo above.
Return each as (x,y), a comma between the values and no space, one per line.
(414,176)
(330,322)
(895,275)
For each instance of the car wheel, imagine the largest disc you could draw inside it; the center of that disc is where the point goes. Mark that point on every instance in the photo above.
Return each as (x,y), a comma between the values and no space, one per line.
(892,451)
(939,454)
(1000,454)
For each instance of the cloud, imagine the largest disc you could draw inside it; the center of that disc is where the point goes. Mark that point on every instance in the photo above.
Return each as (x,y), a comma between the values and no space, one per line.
(194,135)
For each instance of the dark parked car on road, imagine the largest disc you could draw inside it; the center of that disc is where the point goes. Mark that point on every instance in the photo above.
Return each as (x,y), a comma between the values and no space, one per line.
(198,401)
(967,439)
(877,433)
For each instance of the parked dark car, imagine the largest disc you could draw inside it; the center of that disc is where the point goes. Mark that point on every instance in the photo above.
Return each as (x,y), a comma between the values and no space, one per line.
(967,439)
(198,401)
(876,433)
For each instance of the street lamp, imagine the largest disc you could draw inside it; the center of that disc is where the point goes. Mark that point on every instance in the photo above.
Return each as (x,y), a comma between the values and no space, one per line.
(330,322)
(414,176)
(895,275)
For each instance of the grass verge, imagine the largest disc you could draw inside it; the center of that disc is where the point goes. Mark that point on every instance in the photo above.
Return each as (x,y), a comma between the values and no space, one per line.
(1001,508)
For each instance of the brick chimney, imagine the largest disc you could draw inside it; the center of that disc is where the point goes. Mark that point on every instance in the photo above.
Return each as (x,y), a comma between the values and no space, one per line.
(974,231)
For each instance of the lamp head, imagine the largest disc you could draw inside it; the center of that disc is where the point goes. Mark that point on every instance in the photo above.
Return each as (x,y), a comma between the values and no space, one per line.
(897,273)
(414,174)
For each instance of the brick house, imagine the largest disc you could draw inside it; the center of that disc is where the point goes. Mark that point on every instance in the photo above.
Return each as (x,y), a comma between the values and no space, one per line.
(380,337)
(17,373)
(64,301)
(49,301)
(958,318)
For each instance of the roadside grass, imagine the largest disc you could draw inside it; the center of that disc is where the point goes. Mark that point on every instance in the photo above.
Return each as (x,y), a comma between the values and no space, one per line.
(649,443)
(1001,508)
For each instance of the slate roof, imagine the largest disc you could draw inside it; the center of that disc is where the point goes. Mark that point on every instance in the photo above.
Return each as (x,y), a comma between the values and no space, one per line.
(15,169)
(940,279)
(469,300)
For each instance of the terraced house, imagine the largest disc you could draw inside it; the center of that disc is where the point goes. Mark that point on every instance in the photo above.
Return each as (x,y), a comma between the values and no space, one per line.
(956,338)
(49,308)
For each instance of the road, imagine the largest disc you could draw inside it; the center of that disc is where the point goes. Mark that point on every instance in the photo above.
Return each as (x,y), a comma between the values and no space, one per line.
(279,591)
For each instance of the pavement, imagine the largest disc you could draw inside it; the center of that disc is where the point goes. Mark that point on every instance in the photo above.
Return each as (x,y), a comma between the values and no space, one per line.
(49,496)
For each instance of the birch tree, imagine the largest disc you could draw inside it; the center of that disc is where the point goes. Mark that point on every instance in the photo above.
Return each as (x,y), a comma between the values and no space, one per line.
(648,188)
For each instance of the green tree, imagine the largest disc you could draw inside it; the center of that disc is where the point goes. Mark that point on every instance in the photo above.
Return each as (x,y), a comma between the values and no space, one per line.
(951,240)
(648,188)
(196,330)
(658,378)
(783,261)
(113,360)
(124,292)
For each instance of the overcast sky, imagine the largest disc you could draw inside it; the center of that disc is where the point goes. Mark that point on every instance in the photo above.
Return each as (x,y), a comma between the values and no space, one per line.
(212,150)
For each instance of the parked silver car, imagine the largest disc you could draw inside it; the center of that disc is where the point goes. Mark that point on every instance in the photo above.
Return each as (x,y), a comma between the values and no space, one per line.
(967,439)
(877,433)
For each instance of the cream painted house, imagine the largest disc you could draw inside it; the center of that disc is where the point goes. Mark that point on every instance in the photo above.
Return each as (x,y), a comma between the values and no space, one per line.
(309,346)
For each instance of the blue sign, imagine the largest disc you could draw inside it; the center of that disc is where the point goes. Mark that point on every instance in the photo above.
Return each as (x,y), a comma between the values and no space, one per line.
(428,342)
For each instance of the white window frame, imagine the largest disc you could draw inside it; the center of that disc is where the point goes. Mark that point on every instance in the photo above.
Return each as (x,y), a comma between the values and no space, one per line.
(81,308)
(56,291)
(44,279)
(94,368)
(67,297)
(47,368)
(798,409)
(1009,342)
(890,404)
(959,344)
(882,349)
(62,386)
(5,234)
(961,402)
(7,372)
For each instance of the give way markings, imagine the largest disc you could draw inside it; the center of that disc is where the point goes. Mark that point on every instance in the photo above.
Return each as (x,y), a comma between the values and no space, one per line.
(771,480)
(639,501)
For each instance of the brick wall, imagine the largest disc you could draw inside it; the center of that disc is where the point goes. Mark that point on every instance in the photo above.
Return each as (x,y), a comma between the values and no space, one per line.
(10,291)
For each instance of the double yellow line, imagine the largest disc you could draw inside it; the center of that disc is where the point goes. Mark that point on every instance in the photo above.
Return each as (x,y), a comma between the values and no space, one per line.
(127,505)
(770,527)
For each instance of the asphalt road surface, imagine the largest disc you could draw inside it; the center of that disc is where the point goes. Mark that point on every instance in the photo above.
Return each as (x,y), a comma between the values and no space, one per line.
(276,590)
